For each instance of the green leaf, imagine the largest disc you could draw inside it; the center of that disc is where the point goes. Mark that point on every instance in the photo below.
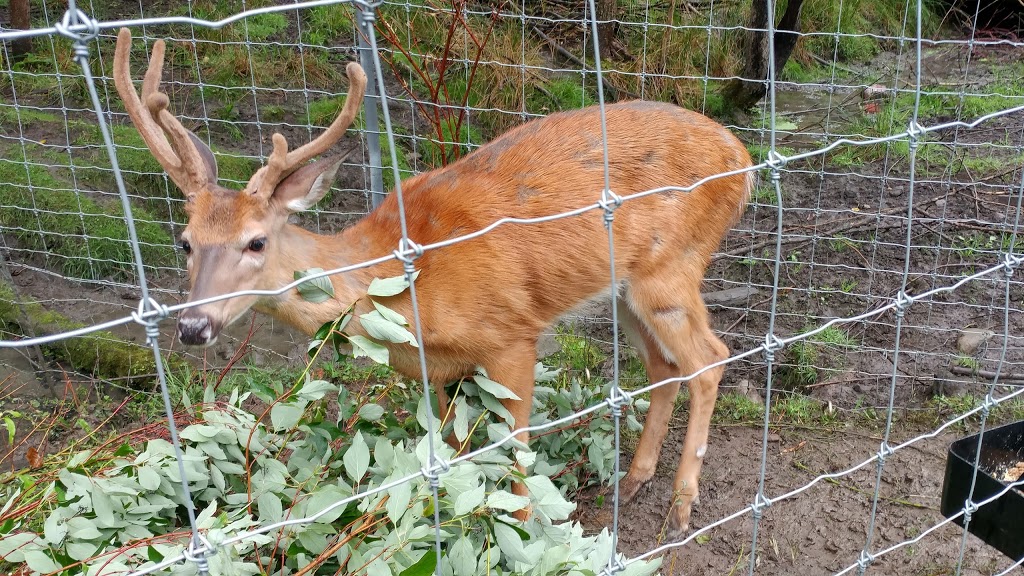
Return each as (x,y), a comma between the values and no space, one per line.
(371,412)
(385,287)
(547,500)
(469,500)
(507,501)
(381,328)
(103,506)
(424,566)
(82,550)
(41,562)
(83,529)
(498,390)
(270,507)
(390,314)
(315,390)
(13,547)
(461,423)
(362,346)
(497,408)
(316,290)
(149,478)
(322,499)
(463,557)
(357,458)
(285,415)
(398,500)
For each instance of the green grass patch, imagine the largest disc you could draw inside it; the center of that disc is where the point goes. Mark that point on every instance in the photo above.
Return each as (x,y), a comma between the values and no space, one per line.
(85,235)
(807,361)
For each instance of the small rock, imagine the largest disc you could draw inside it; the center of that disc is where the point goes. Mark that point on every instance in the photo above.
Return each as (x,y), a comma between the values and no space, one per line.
(730,297)
(774,437)
(946,384)
(547,345)
(971,339)
(744,388)
(940,202)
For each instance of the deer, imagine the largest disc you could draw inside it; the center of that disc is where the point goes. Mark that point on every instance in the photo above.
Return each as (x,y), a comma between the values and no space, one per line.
(483,302)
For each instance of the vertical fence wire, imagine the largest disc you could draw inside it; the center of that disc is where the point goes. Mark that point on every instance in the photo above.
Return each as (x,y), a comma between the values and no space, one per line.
(902,304)
(80,42)
(970,506)
(772,344)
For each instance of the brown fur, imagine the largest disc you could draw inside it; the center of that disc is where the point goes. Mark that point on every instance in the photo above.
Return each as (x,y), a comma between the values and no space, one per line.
(484,302)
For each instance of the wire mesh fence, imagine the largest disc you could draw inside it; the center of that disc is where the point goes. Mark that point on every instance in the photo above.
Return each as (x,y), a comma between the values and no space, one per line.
(874,266)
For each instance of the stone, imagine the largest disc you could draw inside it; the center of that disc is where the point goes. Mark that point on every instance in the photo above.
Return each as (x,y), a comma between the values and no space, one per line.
(737,296)
(972,339)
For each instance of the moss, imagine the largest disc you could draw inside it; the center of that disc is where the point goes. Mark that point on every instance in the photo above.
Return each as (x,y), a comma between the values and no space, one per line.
(100,354)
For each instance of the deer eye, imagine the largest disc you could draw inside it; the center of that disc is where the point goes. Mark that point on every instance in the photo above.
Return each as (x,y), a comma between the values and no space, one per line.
(186,247)
(258,244)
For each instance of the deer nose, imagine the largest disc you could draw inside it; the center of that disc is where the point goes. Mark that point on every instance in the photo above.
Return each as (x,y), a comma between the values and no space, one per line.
(195,331)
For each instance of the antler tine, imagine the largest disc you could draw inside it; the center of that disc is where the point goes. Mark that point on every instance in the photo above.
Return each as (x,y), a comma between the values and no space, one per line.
(282,162)
(155,123)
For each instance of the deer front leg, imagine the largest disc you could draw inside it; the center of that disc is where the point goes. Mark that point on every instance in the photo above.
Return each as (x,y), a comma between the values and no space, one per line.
(514,370)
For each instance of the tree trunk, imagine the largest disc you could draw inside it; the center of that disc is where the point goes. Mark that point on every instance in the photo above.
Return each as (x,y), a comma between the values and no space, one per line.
(606,10)
(20,20)
(746,91)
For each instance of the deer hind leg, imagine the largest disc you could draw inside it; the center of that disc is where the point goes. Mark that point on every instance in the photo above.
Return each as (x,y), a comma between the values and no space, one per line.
(669,306)
(513,368)
(645,458)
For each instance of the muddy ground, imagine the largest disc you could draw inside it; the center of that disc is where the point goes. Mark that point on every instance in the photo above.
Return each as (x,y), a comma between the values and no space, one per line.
(843,254)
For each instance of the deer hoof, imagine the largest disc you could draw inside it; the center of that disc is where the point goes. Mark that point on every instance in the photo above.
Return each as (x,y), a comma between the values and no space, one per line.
(630,486)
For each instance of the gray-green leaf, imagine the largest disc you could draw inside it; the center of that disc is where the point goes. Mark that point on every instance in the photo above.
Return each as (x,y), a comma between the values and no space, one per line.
(357,458)
(315,290)
(362,346)
(389,286)
(380,327)
(498,390)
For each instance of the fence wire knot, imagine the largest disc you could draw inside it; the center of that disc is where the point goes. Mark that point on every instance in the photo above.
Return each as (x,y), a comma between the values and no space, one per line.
(884,451)
(775,162)
(1010,264)
(988,404)
(903,301)
(74,19)
(615,565)
(914,132)
(865,559)
(197,550)
(970,507)
(609,202)
(761,503)
(149,314)
(772,344)
(408,251)
(617,398)
(433,472)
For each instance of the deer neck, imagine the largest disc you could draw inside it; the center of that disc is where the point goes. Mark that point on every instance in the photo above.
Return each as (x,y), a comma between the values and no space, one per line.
(303,250)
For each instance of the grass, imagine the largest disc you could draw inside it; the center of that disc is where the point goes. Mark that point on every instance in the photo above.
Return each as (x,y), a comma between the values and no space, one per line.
(807,360)
(84,235)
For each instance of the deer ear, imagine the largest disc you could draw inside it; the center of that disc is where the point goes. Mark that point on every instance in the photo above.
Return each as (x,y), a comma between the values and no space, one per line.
(207,155)
(307,185)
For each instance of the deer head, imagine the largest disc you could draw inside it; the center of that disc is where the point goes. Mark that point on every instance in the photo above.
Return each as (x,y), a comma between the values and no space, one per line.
(232,237)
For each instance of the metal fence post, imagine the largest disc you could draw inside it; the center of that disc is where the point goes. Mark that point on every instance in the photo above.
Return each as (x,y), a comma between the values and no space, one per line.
(371,101)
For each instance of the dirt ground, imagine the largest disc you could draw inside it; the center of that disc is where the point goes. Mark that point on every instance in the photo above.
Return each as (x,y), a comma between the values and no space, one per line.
(843,255)
(820,531)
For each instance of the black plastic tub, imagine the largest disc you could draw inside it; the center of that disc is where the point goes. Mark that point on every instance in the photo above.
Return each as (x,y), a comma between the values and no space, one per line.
(1000,523)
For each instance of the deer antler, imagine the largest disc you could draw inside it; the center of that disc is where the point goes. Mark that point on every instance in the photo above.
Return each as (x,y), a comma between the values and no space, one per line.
(179,157)
(282,162)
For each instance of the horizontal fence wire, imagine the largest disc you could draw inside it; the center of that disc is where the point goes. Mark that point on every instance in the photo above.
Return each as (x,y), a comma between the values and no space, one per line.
(781,164)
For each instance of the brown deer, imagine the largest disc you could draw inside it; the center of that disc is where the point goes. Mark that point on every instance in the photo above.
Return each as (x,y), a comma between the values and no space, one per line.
(486,301)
